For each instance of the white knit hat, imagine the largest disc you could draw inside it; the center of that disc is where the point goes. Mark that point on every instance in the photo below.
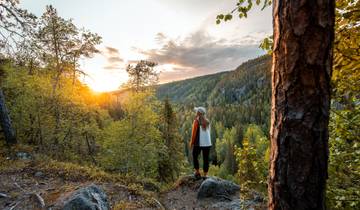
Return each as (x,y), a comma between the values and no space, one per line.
(200,109)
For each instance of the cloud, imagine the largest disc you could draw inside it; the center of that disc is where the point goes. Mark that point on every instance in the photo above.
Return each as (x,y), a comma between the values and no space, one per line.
(199,54)
(112,50)
(160,38)
(112,55)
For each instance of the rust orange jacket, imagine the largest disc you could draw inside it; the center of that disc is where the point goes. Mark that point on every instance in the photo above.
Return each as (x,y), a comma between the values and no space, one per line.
(194,129)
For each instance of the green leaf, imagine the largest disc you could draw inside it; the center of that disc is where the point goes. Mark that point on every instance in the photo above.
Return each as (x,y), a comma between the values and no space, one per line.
(228,17)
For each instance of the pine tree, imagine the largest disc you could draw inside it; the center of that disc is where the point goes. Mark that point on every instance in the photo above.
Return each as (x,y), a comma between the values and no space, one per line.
(171,159)
(302,66)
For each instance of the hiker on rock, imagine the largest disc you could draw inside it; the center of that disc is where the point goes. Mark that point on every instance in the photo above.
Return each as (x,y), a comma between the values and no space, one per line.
(200,141)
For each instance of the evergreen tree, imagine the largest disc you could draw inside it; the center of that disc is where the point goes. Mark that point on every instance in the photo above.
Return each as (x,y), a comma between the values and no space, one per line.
(172,158)
(61,45)
(141,75)
(132,145)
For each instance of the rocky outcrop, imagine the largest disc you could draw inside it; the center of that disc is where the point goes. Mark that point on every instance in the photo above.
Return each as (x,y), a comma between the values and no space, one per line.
(86,198)
(210,193)
(214,187)
(233,205)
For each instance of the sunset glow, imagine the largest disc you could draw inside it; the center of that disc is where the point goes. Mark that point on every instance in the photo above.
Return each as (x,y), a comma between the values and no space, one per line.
(181,36)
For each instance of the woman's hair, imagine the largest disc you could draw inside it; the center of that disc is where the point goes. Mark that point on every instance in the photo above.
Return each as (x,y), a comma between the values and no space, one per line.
(204,122)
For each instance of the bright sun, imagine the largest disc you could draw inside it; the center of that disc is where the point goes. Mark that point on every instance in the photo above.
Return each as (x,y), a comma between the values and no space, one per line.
(102,82)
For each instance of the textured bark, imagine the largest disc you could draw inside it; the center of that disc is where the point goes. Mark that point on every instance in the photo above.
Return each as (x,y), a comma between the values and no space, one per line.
(5,121)
(301,72)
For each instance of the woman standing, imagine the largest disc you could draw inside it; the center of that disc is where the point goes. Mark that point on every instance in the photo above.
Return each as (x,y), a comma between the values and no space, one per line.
(200,141)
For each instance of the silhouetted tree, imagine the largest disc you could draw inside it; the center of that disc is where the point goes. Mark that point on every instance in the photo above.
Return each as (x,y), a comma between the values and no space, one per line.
(141,75)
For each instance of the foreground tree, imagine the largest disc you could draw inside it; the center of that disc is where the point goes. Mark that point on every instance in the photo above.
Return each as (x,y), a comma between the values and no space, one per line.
(301,73)
(15,23)
(62,44)
(5,121)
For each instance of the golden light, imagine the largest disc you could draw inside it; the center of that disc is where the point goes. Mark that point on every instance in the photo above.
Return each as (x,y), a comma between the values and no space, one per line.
(105,81)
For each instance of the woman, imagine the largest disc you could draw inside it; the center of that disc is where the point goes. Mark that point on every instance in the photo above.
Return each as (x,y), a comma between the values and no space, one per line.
(200,141)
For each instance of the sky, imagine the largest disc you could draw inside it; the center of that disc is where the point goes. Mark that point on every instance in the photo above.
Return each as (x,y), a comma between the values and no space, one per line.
(180,35)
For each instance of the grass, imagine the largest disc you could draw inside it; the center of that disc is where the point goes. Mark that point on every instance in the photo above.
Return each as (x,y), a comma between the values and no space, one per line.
(75,172)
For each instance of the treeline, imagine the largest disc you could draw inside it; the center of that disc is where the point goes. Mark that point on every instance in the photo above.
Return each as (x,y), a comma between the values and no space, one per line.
(59,117)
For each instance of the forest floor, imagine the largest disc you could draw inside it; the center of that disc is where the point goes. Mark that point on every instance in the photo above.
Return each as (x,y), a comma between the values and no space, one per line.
(33,187)
(44,184)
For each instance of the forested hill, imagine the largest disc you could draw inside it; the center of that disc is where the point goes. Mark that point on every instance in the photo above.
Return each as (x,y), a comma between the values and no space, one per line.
(247,81)
(196,89)
(238,104)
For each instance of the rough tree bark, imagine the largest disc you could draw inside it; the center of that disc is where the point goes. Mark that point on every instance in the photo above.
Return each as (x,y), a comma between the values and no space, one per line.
(301,72)
(5,121)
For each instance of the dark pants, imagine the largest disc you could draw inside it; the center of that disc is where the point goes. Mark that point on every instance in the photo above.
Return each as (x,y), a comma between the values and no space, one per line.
(205,152)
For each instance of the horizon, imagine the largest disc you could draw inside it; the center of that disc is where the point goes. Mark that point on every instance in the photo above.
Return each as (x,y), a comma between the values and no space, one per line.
(186,44)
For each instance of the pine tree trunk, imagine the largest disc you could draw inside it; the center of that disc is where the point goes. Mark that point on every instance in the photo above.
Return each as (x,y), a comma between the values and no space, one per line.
(301,72)
(5,121)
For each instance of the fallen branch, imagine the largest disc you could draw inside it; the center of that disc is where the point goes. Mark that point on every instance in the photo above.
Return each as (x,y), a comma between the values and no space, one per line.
(3,195)
(159,204)
(17,185)
(16,204)
(40,200)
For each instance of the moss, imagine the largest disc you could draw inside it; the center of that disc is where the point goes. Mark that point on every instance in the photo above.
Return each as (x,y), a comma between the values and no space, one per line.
(123,205)
(77,173)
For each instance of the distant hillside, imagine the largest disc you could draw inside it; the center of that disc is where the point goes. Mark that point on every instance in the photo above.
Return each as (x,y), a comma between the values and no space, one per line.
(194,90)
(241,96)
(240,85)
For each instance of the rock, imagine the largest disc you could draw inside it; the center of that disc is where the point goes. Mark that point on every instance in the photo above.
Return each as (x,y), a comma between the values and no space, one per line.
(257,197)
(260,82)
(189,181)
(238,204)
(3,195)
(217,188)
(39,174)
(23,156)
(233,205)
(87,198)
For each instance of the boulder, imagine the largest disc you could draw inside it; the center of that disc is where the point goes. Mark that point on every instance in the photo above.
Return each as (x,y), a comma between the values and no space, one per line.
(87,198)
(39,174)
(23,156)
(214,187)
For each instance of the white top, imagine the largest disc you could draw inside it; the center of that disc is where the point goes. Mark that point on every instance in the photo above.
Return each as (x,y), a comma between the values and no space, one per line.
(204,137)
